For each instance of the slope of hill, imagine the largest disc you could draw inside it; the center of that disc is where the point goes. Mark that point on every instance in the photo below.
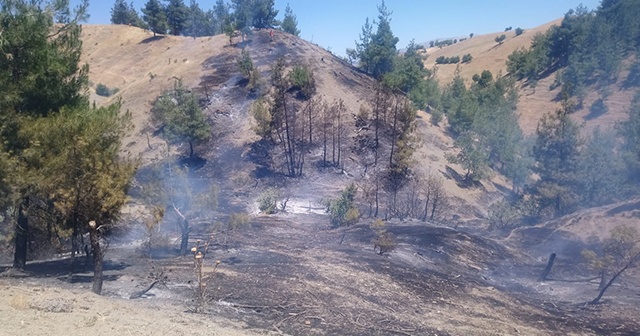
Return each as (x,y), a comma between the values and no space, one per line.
(141,67)
(533,101)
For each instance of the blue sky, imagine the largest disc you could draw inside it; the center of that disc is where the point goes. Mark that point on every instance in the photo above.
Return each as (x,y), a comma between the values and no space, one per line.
(336,24)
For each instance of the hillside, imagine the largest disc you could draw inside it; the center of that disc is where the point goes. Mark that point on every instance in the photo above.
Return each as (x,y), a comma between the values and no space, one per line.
(141,67)
(295,272)
(533,101)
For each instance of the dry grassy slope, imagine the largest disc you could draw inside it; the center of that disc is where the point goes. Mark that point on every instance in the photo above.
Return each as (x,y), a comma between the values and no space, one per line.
(124,57)
(534,102)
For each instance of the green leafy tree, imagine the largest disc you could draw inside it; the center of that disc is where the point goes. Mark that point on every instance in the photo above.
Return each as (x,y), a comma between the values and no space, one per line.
(85,177)
(123,13)
(519,31)
(178,113)
(302,80)
(39,76)
(153,13)
(556,152)
(177,14)
(342,211)
(290,22)
(383,44)
(264,14)
(600,169)
(242,13)
(221,16)
(199,23)
(472,156)
(630,132)
(500,39)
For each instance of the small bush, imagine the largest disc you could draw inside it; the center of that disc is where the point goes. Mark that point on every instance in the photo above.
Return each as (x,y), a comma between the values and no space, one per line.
(519,31)
(302,80)
(104,91)
(268,202)
(508,28)
(436,116)
(467,58)
(383,241)
(501,38)
(341,210)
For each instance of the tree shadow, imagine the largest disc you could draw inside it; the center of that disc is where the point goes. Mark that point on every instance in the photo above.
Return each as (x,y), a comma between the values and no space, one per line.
(152,39)
(61,267)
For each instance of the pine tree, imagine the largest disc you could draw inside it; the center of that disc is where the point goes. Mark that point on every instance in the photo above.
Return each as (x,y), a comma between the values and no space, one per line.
(39,76)
(181,118)
(177,16)
(120,12)
(557,152)
(155,17)
(383,44)
(221,16)
(290,22)
(264,14)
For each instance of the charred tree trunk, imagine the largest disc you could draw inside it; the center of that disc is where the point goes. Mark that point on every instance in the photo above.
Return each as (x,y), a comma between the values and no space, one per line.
(184,237)
(613,279)
(22,236)
(547,270)
(190,149)
(97,257)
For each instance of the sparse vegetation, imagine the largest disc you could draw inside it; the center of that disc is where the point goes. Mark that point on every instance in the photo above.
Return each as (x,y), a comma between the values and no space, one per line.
(500,39)
(204,276)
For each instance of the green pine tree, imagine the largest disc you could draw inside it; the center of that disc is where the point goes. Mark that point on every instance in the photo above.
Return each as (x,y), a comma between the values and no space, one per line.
(290,22)
(153,13)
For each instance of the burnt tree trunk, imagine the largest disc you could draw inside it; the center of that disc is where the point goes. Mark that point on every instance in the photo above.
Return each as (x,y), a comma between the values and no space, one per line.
(22,236)
(97,257)
(547,270)
(184,239)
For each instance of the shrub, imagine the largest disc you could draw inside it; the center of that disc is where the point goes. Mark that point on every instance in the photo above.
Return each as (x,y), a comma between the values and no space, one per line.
(302,80)
(508,28)
(436,116)
(341,210)
(245,63)
(501,38)
(467,58)
(442,60)
(383,241)
(454,60)
(268,201)
(519,31)
(104,91)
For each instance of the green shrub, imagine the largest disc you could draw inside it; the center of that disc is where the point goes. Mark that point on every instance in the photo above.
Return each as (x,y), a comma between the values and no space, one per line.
(268,201)
(302,80)
(467,58)
(341,210)
(436,116)
(104,91)
(519,31)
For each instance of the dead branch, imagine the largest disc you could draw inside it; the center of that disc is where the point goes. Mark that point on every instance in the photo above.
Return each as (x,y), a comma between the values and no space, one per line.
(139,294)
(291,315)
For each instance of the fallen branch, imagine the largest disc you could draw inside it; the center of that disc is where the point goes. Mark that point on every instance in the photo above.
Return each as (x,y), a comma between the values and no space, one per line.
(291,315)
(139,294)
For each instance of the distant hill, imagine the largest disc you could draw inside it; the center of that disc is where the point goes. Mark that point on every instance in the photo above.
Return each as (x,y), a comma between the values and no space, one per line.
(533,102)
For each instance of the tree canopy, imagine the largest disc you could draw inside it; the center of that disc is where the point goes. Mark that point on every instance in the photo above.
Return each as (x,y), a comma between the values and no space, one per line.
(290,22)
